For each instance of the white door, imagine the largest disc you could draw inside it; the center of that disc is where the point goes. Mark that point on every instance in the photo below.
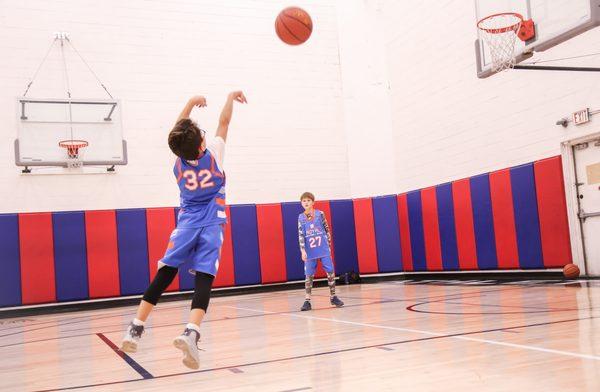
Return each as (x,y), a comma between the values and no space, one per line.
(587,165)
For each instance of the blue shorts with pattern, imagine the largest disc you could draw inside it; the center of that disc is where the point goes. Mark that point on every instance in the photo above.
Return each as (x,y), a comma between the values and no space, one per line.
(310,266)
(197,249)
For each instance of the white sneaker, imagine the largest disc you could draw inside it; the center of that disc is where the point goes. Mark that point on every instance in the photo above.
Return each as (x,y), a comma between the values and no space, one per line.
(187,342)
(131,338)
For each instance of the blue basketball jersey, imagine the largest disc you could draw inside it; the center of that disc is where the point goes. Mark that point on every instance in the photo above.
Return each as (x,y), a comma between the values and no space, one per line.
(202,192)
(315,236)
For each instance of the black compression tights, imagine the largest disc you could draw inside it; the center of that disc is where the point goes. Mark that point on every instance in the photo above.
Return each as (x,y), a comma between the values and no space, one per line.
(164,277)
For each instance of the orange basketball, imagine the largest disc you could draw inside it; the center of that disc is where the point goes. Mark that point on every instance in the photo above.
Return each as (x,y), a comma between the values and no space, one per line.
(571,271)
(293,25)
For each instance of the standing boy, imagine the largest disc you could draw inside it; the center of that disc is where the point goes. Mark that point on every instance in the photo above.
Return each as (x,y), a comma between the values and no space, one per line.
(315,243)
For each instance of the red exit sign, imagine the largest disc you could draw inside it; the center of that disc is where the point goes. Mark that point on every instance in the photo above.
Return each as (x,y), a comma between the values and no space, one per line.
(581,117)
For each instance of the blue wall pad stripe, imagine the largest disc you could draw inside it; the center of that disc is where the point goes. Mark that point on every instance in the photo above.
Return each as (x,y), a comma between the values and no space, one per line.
(483,222)
(344,234)
(134,274)
(70,256)
(10,278)
(445,203)
(293,260)
(244,236)
(527,220)
(387,233)
(417,237)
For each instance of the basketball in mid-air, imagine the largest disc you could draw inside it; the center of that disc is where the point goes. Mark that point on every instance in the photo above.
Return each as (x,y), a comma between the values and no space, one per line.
(293,26)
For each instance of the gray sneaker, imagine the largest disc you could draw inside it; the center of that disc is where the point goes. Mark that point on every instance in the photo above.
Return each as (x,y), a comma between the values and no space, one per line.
(132,337)
(187,342)
(306,306)
(336,301)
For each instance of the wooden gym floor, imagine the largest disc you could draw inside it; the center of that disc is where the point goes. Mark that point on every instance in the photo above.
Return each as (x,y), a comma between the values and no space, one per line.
(392,336)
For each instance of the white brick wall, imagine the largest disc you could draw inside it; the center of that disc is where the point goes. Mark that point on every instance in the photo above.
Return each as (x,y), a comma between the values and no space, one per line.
(448,124)
(367,115)
(383,98)
(153,55)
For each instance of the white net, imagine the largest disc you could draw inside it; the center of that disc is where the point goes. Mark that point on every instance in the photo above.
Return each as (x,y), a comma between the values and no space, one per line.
(74,150)
(500,33)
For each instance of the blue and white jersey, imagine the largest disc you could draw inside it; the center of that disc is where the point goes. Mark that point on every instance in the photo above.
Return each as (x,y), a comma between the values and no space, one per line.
(202,188)
(314,235)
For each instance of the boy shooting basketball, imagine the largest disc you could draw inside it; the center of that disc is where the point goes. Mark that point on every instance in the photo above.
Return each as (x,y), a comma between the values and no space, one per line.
(315,243)
(196,242)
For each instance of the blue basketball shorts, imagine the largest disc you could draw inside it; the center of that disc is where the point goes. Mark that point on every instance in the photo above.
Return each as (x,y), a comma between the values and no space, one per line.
(310,266)
(197,249)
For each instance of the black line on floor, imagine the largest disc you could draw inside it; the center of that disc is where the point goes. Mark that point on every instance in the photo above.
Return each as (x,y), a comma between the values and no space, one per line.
(130,361)
(322,353)
(384,301)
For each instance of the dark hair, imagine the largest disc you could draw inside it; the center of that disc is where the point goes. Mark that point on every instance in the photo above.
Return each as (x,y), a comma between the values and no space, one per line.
(185,139)
(307,195)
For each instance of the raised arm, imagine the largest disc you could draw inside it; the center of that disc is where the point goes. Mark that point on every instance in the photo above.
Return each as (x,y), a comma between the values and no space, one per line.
(227,111)
(197,100)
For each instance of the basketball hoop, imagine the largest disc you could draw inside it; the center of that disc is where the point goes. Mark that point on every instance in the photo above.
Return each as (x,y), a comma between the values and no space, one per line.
(499,32)
(73,147)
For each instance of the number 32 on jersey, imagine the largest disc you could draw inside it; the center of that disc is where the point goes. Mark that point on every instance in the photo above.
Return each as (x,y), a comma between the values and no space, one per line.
(200,179)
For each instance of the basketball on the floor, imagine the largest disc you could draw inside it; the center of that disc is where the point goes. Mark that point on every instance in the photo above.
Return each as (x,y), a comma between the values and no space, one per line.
(293,26)
(571,271)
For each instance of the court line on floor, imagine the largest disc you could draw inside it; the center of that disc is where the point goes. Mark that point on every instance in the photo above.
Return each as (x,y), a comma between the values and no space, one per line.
(130,361)
(124,325)
(438,334)
(85,319)
(71,320)
(338,351)
(382,301)
(413,307)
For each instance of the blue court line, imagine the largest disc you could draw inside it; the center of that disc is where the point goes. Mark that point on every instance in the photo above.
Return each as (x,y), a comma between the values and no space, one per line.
(136,366)
(326,353)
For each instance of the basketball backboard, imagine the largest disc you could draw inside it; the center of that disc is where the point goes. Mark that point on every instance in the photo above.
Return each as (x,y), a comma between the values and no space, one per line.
(43,123)
(555,21)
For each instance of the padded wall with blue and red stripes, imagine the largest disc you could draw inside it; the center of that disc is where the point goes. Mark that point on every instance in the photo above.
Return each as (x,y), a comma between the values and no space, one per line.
(509,219)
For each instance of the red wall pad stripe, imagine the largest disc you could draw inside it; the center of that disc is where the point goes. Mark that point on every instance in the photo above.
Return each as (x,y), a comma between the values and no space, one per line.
(324,206)
(431,229)
(37,258)
(226,274)
(365,236)
(270,243)
(102,253)
(160,222)
(407,261)
(552,209)
(465,231)
(504,219)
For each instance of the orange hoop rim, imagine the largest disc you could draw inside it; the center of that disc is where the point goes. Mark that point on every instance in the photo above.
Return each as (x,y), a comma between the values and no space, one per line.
(73,147)
(500,30)
(73,143)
